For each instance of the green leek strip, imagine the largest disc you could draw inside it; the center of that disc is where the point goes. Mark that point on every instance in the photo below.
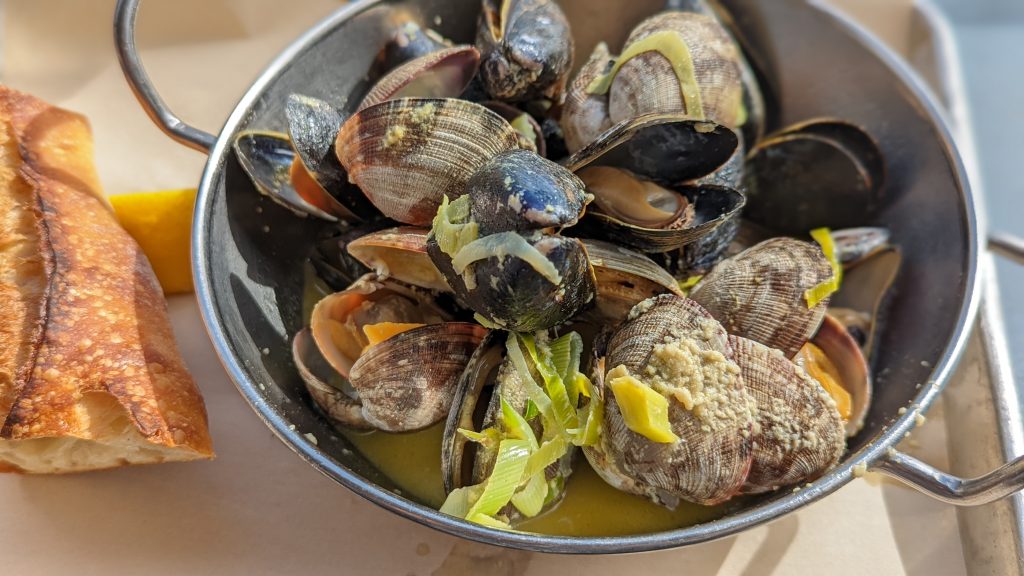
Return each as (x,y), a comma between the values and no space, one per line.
(555,487)
(560,350)
(823,290)
(531,411)
(486,436)
(533,390)
(548,453)
(505,244)
(583,384)
(499,487)
(516,426)
(530,500)
(452,227)
(565,357)
(486,323)
(458,501)
(590,432)
(673,47)
(686,285)
(489,521)
(564,411)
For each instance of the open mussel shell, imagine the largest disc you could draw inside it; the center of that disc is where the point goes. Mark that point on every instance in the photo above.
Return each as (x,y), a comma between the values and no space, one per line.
(472,398)
(710,461)
(712,206)
(665,148)
(338,404)
(760,293)
(860,302)
(399,253)
(312,126)
(799,433)
(268,159)
(584,115)
(625,278)
(441,74)
(700,76)
(854,373)
(510,293)
(530,132)
(407,154)
(526,49)
(408,382)
(801,180)
(518,190)
(853,138)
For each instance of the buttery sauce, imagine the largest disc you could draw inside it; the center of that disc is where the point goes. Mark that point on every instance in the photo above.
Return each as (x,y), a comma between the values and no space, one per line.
(590,506)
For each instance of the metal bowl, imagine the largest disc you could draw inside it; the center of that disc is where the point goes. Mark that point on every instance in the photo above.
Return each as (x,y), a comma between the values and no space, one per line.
(248,253)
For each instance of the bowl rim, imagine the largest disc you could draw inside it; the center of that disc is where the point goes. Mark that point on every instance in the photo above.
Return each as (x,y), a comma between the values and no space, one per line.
(918,94)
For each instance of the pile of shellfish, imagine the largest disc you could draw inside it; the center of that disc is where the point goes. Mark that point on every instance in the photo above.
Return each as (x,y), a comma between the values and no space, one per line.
(616,261)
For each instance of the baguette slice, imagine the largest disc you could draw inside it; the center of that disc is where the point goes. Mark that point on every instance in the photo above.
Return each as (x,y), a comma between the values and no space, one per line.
(90,375)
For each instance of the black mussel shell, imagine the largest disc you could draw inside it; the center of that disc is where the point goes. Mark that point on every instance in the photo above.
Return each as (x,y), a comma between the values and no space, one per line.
(313,125)
(797,182)
(665,148)
(852,137)
(511,294)
(713,206)
(410,41)
(518,190)
(526,48)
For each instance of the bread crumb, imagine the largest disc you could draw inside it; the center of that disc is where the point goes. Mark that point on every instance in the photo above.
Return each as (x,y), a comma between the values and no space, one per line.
(860,470)
(902,410)
(919,420)
(309,436)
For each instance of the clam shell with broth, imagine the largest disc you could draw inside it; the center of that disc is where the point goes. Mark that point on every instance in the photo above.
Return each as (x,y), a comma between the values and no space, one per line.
(399,253)
(799,434)
(526,48)
(407,381)
(407,154)
(846,367)
(674,346)
(760,293)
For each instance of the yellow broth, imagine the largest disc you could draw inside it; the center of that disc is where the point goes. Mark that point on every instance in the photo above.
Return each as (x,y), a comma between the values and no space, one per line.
(590,506)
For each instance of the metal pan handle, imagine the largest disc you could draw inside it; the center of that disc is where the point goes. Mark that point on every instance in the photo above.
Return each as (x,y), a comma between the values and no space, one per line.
(142,86)
(995,485)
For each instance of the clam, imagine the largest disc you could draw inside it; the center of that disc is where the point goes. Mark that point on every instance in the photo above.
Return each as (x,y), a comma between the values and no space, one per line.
(671,349)
(760,293)
(676,62)
(312,125)
(399,253)
(834,359)
(498,249)
(799,433)
(444,73)
(821,173)
(526,48)
(270,162)
(624,278)
(396,348)
(585,116)
(408,154)
(329,390)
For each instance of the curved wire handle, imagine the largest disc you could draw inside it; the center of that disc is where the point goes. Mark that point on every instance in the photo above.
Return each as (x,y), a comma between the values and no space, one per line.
(995,485)
(124,41)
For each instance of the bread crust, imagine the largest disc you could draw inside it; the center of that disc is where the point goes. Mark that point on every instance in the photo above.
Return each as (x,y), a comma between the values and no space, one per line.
(92,365)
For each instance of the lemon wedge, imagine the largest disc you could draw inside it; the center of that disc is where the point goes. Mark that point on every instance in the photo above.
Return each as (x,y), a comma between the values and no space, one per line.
(161,222)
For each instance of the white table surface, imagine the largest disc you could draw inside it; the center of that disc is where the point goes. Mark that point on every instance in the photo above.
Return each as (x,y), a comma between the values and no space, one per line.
(257,508)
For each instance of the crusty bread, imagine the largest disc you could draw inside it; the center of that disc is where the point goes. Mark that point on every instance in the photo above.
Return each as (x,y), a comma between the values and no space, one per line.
(90,375)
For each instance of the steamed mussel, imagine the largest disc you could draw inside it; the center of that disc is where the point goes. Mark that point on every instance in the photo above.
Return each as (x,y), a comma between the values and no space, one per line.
(615,264)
